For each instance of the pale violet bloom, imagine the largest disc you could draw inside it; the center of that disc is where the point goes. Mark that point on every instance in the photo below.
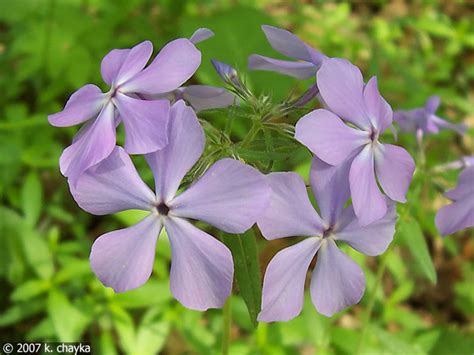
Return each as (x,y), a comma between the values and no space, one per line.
(424,120)
(337,281)
(285,42)
(324,132)
(464,162)
(460,214)
(145,121)
(230,196)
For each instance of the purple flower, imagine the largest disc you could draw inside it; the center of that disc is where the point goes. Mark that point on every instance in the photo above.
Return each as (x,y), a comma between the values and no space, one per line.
(424,120)
(342,88)
(145,121)
(337,281)
(229,196)
(460,214)
(291,46)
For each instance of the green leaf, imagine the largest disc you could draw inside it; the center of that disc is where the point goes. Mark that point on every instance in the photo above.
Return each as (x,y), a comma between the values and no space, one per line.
(32,196)
(411,234)
(68,321)
(246,269)
(29,289)
(152,333)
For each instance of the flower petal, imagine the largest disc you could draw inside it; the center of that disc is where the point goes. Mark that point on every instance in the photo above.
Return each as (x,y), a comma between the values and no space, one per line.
(201,267)
(465,185)
(330,185)
(203,97)
(123,259)
(111,64)
(145,122)
(175,64)
(111,186)
(380,112)
(201,34)
(394,168)
(230,196)
(298,70)
(83,105)
(372,239)
(341,86)
(328,137)
(337,281)
(283,285)
(369,203)
(432,104)
(286,43)
(185,146)
(460,128)
(408,120)
(289,211)
(94,145)
(456,216)
(133,62)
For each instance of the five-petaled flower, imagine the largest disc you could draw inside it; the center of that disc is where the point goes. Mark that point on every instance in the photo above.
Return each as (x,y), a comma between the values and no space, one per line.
(285,42)
(423,120)
(460,214)
(145,121)
(229,196)
(337,281)
(343,91)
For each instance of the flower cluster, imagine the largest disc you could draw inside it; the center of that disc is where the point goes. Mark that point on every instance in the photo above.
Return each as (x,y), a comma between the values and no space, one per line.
(355,178)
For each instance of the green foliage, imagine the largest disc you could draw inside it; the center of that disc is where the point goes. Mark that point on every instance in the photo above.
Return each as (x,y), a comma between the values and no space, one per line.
(48,48)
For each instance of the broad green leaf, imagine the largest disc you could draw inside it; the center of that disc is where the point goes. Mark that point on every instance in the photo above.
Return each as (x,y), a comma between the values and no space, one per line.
(32,196)
(21,311)
(152,333)
(123,324)
(68,321)
(246,269)
(30,289)
(37,252)
(411,234)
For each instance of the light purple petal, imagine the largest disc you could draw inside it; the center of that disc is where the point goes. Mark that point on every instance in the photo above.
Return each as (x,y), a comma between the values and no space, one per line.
(112,63)
(201,34)
(132,63)
(407,119)
(330,185)
(111,186)
(286,43)
(465,185)
(203,97)
(298,70)
(145,122)
(201,267)
(380,112)
(372,239)
(230,196)
(289,211)
(369,203)
(123,259)
(395,168)
(341,86)
(175,64)
(283,286)
(83,105)
(443,124)
(432,104)
(95,144)
(337,281)
(185,146)
(456,216)
(328,137)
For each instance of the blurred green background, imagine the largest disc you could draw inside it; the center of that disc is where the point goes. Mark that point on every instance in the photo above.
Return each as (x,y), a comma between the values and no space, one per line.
(424,303)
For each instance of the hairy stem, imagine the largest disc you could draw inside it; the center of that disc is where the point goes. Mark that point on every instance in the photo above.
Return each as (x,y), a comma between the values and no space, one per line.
(226,324)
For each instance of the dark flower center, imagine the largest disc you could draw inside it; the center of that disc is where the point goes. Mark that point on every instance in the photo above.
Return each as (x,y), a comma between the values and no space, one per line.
(163,209)
(328,232)
(373,135)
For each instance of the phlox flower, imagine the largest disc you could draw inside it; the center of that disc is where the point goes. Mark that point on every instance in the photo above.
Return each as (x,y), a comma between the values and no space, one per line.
(460,214)
(337,281)
(229,196)
(423,120)
(324,132)
(145,121)
(285,42)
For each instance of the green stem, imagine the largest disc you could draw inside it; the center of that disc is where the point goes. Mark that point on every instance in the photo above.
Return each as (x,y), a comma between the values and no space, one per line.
(251,134)
(227,322)
(370,305)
